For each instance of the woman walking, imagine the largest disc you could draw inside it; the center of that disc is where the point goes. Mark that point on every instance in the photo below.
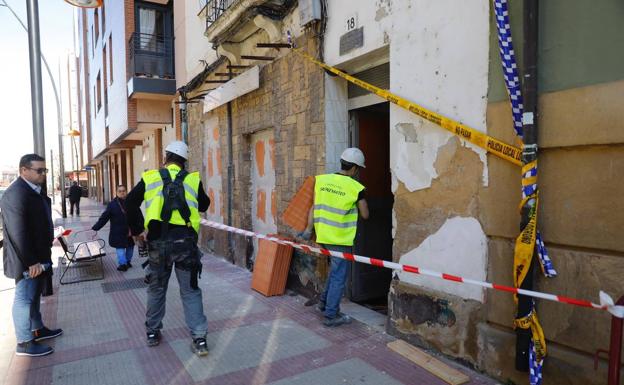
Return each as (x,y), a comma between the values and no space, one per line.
(119,236)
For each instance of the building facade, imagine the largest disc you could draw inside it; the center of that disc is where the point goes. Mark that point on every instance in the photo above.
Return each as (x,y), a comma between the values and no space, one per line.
(259,118)
(127,87)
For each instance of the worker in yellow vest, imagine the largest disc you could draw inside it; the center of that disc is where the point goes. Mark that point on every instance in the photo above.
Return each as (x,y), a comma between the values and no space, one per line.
(173,199)
(338,201)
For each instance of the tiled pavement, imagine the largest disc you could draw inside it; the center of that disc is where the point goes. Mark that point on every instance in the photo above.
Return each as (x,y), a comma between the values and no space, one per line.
(252,339)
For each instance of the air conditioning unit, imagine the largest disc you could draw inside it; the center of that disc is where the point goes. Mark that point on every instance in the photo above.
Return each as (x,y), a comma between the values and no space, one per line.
(309,11)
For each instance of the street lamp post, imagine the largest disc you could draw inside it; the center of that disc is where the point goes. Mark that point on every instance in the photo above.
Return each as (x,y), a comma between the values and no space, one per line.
(73,134)
(36,94)
(59,117)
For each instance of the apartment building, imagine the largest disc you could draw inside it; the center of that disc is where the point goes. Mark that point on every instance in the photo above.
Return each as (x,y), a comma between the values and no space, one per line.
(260,118)
(127,85)
(436,201)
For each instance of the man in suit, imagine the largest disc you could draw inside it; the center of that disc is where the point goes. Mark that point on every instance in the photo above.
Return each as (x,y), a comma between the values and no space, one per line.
(28,236)
(75,193)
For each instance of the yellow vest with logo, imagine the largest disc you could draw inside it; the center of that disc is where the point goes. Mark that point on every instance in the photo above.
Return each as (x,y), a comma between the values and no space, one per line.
(154,199)
(335,209)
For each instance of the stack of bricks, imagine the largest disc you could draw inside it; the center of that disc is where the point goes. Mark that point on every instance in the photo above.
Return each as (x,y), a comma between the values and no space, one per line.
(271,268)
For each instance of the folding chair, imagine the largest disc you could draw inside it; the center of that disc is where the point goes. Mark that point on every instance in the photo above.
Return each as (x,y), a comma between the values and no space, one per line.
(82,254)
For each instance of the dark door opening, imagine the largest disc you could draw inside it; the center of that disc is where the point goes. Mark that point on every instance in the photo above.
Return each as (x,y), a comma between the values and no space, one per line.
(369,285)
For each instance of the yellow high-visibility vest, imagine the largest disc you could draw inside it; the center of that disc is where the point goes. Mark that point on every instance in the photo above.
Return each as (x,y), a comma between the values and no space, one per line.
(154,199)
(335,209)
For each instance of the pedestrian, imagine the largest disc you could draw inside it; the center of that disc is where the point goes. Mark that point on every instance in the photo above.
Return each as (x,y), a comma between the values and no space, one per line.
(75,193)
(338,199)
(28,235)
(119,235)
(173,199)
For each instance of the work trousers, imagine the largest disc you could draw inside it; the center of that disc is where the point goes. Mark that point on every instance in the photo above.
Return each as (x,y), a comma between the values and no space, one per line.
(191,301)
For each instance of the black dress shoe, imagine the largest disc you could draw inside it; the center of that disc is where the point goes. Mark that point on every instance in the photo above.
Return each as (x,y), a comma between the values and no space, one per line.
(44,333)
(32,349)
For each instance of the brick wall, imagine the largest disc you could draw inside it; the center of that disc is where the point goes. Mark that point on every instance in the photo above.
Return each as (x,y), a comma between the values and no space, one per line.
(290,102)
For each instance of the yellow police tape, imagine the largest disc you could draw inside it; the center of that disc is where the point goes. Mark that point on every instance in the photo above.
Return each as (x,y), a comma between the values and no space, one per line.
(539,341)
(525,243)
(501,149)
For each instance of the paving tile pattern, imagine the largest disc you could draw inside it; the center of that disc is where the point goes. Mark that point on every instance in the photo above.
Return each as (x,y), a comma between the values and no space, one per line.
(253,340)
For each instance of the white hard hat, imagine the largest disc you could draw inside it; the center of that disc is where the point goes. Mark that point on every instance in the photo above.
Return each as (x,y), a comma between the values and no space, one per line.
(178,148)
(353,155)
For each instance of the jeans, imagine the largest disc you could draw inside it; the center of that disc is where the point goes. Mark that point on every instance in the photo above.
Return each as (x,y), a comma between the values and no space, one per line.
(124,255)
(71,207)
(191,301)
(336,280)
(26,314)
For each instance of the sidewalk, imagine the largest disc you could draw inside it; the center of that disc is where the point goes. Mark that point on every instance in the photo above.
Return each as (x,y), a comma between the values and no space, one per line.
(252,339)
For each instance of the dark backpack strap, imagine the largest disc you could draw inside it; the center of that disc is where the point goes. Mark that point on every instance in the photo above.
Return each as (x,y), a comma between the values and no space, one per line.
(165,213)
(181,205)
(174,199)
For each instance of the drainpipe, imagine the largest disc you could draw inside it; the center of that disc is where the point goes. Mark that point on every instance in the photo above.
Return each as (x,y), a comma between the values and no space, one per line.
(230,170)
(184,120)
(529,154)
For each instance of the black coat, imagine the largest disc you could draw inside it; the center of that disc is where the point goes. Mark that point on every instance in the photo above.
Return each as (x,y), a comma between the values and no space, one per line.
(28,231)
(118,234)
(75,192)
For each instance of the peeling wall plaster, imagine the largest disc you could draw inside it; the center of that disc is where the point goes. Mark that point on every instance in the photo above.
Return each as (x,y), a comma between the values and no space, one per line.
(459,247)
(438,59)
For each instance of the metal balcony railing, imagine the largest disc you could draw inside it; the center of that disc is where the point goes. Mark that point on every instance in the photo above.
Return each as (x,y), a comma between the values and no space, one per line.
(151,56)
(215,8)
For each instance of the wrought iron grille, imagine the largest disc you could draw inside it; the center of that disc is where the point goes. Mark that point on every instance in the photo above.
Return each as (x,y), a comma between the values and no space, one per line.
(151,55)
(215,8)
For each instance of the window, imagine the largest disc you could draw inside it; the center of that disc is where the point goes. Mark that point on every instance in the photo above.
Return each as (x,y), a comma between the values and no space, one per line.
(110,58)
(103,18)
(98,93)
(104,65)
(96,22)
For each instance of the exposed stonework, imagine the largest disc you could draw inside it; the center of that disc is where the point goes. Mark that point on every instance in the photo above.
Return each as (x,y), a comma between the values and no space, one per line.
(435,320)
(290,103)
(454,193)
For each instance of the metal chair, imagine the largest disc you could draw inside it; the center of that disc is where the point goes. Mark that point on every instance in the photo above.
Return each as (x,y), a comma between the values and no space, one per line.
(82,254)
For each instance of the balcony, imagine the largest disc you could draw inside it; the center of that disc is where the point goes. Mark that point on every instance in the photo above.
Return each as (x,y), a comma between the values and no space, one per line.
(151,69)
(230,25)
(215,8)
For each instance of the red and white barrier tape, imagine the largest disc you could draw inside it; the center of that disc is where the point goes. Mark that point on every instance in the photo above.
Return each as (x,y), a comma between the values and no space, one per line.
(606,302)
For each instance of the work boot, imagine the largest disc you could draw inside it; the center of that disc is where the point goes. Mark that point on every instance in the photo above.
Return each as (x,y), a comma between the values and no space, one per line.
(44,333)
(199,346)
(32,349)
(153,338)
(340,319)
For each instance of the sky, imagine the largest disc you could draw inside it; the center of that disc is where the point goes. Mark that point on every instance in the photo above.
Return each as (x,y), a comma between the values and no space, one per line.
(56,30)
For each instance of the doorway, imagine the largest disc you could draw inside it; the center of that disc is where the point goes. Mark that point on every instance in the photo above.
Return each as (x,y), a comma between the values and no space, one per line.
(370,131)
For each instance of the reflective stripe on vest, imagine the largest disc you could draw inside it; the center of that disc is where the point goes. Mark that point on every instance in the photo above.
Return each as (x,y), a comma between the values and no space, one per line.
(335,210)
(154,199)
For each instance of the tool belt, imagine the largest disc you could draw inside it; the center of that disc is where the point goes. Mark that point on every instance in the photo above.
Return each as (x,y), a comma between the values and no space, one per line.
(183,252)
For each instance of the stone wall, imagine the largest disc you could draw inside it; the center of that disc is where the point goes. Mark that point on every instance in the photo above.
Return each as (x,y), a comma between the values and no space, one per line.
(289,103)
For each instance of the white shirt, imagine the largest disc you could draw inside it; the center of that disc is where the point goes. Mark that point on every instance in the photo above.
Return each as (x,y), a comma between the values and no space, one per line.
(35,187)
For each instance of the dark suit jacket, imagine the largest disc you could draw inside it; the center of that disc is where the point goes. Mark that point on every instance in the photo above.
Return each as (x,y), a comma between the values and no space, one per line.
(28,231)
(75,192)
(118,234)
